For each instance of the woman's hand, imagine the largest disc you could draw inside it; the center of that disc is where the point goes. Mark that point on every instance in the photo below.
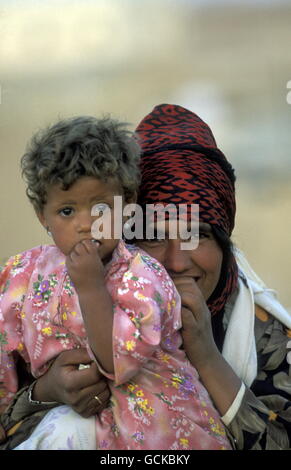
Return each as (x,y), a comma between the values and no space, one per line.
(215,373)
(196,320)
(84,265)
(65,383)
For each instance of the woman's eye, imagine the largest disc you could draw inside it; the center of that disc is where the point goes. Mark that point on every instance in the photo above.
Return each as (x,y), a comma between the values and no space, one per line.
(154,241)
(66,211)
(188,237)
(203,234)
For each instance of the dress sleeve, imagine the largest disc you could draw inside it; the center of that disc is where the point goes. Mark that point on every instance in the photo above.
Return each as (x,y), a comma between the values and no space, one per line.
(14,279)
(263,419)
(146,318)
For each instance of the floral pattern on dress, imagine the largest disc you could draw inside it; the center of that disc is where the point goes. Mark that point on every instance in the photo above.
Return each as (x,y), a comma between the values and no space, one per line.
(43,289)
(157,399)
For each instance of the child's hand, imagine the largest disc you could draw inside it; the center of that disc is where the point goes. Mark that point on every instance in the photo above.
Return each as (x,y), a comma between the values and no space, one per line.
(85,266)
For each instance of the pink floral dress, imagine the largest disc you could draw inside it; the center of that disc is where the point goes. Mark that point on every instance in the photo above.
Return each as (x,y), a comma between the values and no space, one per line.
(157,399)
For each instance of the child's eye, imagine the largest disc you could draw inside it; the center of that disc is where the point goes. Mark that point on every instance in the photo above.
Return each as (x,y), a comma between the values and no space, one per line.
(99,209)
(66,211)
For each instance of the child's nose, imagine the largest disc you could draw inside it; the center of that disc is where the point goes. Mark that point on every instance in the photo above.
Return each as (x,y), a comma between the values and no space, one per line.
(84,222)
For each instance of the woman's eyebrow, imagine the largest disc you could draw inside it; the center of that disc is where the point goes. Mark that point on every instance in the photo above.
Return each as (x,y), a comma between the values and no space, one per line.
(204,226)
(201,225)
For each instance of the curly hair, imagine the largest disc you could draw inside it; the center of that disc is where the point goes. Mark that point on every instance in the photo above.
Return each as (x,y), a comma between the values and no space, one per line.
(76,147)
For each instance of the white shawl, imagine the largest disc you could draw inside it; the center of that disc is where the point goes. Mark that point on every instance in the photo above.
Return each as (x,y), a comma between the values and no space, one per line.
(239,347)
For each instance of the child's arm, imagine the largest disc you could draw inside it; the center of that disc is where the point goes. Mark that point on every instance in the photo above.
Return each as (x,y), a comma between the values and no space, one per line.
(87,273)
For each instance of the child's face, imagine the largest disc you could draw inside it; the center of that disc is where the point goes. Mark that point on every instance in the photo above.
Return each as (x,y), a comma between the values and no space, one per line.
(67,214)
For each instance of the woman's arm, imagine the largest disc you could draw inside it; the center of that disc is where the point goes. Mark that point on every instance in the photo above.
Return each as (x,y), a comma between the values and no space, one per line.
(63,383)
(215,373)
(262,419)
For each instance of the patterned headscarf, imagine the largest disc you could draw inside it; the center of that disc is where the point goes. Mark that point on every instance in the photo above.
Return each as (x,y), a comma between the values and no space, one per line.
(181,164)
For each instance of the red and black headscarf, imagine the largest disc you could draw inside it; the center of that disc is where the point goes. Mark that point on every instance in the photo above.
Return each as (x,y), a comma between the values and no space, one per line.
(181,164)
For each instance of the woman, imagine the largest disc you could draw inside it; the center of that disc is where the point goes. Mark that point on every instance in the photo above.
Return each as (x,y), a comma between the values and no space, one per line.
(235,332)
(236,340)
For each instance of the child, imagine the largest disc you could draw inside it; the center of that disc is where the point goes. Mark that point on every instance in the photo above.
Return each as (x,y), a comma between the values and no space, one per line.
(108,296)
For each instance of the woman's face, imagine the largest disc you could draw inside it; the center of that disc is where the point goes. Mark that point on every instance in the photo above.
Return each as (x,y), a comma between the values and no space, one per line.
(203,264)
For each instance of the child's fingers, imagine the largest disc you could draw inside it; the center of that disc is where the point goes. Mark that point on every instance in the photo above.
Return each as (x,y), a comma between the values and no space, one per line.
(72,258)
(89,246)
(80,248)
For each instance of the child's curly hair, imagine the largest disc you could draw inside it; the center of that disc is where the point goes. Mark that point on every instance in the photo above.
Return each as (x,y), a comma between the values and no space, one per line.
(76,147)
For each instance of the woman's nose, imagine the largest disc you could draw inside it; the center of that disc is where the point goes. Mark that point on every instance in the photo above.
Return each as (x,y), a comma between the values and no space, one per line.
(177,260)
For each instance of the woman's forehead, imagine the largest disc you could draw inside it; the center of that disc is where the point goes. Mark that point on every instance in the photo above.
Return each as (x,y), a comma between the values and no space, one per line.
(168,225)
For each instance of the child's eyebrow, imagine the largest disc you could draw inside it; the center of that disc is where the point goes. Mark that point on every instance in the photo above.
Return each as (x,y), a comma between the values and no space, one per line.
(101,196)
(95,198)
(71,203)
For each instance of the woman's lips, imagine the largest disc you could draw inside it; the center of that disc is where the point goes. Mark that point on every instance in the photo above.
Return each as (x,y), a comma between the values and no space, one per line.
(196,278)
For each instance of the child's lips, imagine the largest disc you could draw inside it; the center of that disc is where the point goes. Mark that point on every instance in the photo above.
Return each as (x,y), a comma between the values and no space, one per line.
(96,242)
(93,240)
